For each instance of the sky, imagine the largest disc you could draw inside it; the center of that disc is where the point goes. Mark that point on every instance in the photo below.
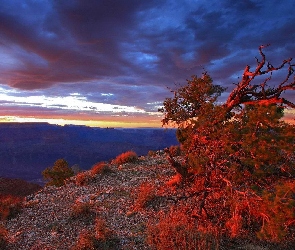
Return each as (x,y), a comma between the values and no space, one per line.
(111,63)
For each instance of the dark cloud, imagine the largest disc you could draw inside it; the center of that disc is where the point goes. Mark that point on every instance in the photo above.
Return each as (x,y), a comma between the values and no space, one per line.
(128,52)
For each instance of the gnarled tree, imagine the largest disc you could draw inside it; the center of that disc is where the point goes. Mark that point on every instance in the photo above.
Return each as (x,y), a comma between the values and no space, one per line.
(248,93)
(241,153)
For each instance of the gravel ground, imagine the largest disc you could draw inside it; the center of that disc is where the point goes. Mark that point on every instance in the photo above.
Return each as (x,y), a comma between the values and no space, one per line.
(50,220)
(47,221)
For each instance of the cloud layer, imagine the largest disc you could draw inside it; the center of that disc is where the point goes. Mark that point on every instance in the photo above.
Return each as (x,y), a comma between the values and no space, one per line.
(112,58)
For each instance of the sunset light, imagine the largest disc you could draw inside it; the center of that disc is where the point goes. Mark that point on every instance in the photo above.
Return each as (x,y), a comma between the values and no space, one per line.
(139,124)
(104,63)
(114,122)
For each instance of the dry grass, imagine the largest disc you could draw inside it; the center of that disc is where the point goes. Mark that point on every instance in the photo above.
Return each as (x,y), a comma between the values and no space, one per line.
(85,241)
(101,238)
(83,178)
(101,230)
(176,230)
(145,195)
(100,168)
(82,211)
(129,156)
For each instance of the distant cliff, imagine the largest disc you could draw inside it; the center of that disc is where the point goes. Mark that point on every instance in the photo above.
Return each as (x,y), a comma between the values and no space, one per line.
(26,149)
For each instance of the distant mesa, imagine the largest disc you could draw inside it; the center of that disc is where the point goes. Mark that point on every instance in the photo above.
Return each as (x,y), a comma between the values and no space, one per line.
(26,149)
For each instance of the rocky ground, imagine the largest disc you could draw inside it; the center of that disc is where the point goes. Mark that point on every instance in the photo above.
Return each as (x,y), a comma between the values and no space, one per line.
(48,220)
(54,218)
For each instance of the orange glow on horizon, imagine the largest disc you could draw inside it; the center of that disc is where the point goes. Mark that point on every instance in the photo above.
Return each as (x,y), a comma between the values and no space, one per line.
(105,121)
(116,122)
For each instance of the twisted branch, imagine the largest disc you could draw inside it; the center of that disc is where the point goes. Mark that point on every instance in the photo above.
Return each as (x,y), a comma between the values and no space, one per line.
(246,93)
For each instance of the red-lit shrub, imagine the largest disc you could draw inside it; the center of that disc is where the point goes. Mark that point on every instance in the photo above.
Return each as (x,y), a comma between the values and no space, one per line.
(146,194)
(176,230)
(100,238)
(83,178)
(82,211)
(10,206)
(100,168)
(277,211)
(102,232)
(85,241)
(129,156)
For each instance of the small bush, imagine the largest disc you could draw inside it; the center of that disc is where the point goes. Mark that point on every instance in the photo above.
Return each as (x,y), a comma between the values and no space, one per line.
(83,211)
(100,168)
(175,180)
(104,236)
(56,175)
(101,238)
(83,178)
(101,230)
(86,241)
(176,230)
(145,195)
(3,237)
(129,156)
(10,206)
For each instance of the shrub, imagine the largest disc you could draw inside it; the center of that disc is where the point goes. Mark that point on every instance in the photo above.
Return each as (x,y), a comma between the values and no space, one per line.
(57,175)
(86,241)
(101,238)
(129,156)
(83,178)
(104,236)
(176,230)
(145,195)
(100,168)
(83,211)
(10,206)
(175,180)
(101,230)
(278,204)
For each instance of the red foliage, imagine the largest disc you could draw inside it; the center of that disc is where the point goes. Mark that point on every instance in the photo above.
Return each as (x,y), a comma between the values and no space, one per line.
(129,156)
(9,206)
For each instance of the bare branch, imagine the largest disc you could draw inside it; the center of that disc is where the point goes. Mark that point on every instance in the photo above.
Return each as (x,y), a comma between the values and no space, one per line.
(245,93)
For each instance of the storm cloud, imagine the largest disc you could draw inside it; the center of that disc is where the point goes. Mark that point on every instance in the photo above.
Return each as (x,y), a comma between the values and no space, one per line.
(126,53)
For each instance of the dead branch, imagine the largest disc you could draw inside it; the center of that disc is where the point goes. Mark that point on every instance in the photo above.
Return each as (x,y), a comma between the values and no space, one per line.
(246,93)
